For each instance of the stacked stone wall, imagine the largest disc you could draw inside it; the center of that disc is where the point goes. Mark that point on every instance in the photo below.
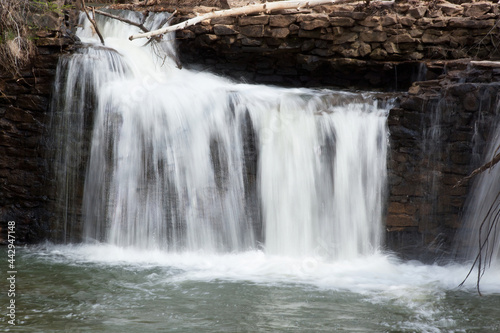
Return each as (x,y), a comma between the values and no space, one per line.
(27,190)
(438,135)
(343,45)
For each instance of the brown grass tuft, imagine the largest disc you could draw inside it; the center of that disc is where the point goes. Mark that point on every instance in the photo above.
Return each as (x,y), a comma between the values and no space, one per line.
(16,38)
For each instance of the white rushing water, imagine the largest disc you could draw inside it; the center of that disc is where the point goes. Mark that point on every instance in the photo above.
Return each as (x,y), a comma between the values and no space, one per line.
(185,161)
(196,186)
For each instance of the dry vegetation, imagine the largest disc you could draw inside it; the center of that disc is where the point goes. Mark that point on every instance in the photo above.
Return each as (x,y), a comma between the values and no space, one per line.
(16,39)
(20,20)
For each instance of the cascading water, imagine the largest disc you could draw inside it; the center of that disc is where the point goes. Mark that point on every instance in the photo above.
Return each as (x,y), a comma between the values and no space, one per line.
(480,234)
(169,165)
(212,206)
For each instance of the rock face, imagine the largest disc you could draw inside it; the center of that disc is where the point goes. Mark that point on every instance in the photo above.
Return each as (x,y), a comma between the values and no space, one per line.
(438,135)
(26,188)
(342,45)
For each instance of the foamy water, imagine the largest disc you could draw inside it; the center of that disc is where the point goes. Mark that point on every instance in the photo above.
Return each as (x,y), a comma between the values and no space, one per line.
(221,206)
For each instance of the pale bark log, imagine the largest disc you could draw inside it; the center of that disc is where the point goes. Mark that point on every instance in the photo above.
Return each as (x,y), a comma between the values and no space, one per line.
(245,10)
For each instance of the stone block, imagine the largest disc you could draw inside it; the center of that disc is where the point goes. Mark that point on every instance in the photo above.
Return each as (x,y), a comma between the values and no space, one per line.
(416,33)
(314,24)
(402,38)
(293,28)
(441,22)
(450,9)
(433,39)
(464,22)
(32,102)
(323,52)
(417,12)
(227,20)
(252,30)
(250,41)
(358,16)
(185,34)
(415,56)
(254,20)
(19,115)
(400,220)
(407,21)
(378,54)
(310,33)
(278,32)
(46,61)
(370,21)
(281,20)
(389,20)
(342,21)
(312,17)
(207,39)
(373,36)
(475,10)
(201,29)
(348,37)
(391,47)
(364,49)
(401,208)
(222,30)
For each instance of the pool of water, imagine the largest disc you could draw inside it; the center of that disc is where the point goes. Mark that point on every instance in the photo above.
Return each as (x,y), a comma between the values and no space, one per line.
(103,288)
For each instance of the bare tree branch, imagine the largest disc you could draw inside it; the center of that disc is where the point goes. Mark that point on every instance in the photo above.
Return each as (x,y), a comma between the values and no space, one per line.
(491,223)
(94,24)
(139,25)
(481,169)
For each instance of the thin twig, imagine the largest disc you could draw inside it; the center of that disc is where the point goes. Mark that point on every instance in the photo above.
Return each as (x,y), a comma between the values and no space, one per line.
(92,21)
(482,243)
(482,168)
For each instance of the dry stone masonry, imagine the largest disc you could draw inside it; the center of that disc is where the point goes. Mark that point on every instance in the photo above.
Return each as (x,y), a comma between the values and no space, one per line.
(26,187)
(343,45)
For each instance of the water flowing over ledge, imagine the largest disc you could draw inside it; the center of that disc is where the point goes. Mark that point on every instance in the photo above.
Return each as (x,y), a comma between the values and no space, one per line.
(219,206)
(182,160)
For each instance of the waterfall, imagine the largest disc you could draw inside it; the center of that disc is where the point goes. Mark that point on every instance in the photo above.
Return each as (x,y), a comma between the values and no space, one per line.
(180,160)
(480,222)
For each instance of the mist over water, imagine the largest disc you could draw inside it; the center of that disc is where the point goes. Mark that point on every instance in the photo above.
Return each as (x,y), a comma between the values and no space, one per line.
(231,207)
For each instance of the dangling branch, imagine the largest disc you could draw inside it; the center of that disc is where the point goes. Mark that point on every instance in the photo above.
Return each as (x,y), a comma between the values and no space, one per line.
(245,10)
(139,25)
(94,24)
(479,260)
(481,169)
